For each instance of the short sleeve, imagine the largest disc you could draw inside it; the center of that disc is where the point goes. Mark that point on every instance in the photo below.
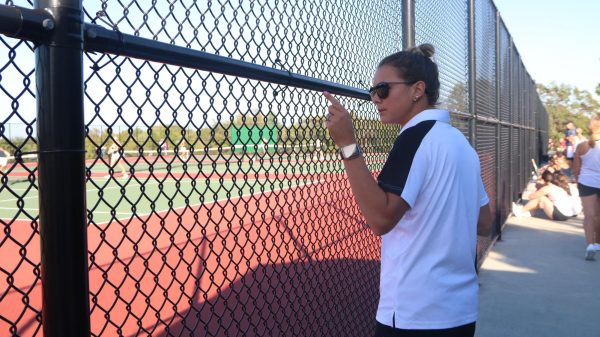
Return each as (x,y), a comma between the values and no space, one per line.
(416,178)
(404,170)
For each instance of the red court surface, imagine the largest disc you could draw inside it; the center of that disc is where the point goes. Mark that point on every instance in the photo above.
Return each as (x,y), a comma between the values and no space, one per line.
(259,264)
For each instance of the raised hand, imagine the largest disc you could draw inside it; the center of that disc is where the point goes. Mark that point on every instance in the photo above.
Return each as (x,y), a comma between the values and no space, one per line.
(339,122)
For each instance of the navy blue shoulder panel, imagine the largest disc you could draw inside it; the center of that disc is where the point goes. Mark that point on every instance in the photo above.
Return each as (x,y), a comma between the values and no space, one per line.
(394,174)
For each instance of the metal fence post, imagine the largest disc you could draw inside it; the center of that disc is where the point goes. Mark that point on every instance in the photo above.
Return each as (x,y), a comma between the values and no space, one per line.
(472,75)
(408,24)
(62,198)
(499,197)
(511,172)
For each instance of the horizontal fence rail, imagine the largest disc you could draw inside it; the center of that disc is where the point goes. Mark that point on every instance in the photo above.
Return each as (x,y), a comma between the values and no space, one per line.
(214,201)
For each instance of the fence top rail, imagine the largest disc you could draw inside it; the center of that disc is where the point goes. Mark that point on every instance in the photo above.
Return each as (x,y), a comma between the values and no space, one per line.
(100,39)
(23,23)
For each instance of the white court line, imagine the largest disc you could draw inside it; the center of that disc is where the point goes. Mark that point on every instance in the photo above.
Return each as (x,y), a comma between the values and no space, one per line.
(37,210)
(310,182)
(133,184)
(19,209)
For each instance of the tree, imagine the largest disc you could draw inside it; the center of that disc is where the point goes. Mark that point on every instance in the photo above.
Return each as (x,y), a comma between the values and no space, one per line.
(457,100)
(567,103)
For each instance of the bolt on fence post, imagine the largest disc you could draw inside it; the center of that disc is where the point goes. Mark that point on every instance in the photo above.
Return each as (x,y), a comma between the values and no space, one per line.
(408,24)
(62,198)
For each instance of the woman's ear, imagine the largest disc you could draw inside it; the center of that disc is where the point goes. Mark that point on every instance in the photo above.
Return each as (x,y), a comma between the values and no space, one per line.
(418,90)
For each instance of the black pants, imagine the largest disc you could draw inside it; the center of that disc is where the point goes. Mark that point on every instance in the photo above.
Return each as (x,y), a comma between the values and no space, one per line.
(467,330)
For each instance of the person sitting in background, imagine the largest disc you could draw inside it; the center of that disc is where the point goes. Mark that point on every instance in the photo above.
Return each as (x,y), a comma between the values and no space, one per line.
(549,166)
(562,165)
(557,163)
(553,197)
(551,147)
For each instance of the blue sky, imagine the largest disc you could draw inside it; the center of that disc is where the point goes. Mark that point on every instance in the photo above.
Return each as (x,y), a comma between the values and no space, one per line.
(559,40)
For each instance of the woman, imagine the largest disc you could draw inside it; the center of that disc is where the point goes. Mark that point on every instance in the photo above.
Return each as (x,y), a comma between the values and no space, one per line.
(428,281)
(3,159)
(586,168)
(553,197)
(115,159)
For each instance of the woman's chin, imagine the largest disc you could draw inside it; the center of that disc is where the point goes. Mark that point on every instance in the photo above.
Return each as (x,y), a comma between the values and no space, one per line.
(385,119)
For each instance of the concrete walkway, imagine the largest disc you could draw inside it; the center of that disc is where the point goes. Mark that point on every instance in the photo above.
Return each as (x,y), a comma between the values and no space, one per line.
(535,282)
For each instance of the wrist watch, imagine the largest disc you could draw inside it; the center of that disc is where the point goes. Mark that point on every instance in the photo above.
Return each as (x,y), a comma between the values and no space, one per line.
(350,151)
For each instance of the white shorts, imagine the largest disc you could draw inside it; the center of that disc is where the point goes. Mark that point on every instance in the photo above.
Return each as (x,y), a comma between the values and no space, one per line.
(3,161)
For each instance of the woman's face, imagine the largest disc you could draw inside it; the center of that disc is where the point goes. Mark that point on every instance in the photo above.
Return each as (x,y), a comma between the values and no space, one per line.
(396,107)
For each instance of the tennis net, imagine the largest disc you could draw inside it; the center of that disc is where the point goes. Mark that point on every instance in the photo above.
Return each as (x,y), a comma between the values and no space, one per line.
(219,158)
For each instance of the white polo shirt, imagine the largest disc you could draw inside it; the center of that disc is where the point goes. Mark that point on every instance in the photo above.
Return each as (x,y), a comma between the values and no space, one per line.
(428,277)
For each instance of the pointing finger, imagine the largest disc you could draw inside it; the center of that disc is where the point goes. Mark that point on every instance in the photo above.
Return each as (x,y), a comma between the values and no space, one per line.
(332,99)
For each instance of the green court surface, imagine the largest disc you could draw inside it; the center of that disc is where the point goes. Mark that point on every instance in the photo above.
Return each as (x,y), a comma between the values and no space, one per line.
(118,199)
(159,184)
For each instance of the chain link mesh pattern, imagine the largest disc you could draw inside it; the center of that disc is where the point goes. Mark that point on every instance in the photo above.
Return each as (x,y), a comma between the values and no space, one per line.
(443,25)
(216,204)
(254,232)
(20,293)
(485,55)
(505,71)
(504,188)
(325,40)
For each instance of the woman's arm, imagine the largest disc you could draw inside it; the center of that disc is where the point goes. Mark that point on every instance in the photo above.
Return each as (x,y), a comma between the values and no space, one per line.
(576,168)
(381,209)
(540,193)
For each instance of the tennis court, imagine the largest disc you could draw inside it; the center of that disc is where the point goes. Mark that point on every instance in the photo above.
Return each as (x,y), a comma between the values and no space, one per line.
(173,220)
(156,182)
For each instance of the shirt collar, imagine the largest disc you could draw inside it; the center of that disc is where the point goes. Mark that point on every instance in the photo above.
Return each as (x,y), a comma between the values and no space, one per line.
(426,115)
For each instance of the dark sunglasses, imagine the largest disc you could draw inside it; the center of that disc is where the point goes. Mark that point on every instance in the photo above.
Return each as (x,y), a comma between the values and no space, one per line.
(383,89)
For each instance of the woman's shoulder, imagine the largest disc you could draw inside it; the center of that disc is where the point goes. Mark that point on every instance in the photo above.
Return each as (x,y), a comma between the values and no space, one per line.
(547,188)
(557,189)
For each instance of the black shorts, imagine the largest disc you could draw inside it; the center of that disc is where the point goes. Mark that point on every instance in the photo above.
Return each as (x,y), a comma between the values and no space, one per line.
(557,215)
(586,191)
(467,330)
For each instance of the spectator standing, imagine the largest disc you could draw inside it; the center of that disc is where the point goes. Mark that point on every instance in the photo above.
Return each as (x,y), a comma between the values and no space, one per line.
(3,159)
(570,139)
(428,281)
(115,156)
(586,168)
(184,153)
(164,147)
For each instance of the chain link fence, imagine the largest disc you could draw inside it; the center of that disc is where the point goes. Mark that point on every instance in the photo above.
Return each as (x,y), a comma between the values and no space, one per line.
(216,203)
